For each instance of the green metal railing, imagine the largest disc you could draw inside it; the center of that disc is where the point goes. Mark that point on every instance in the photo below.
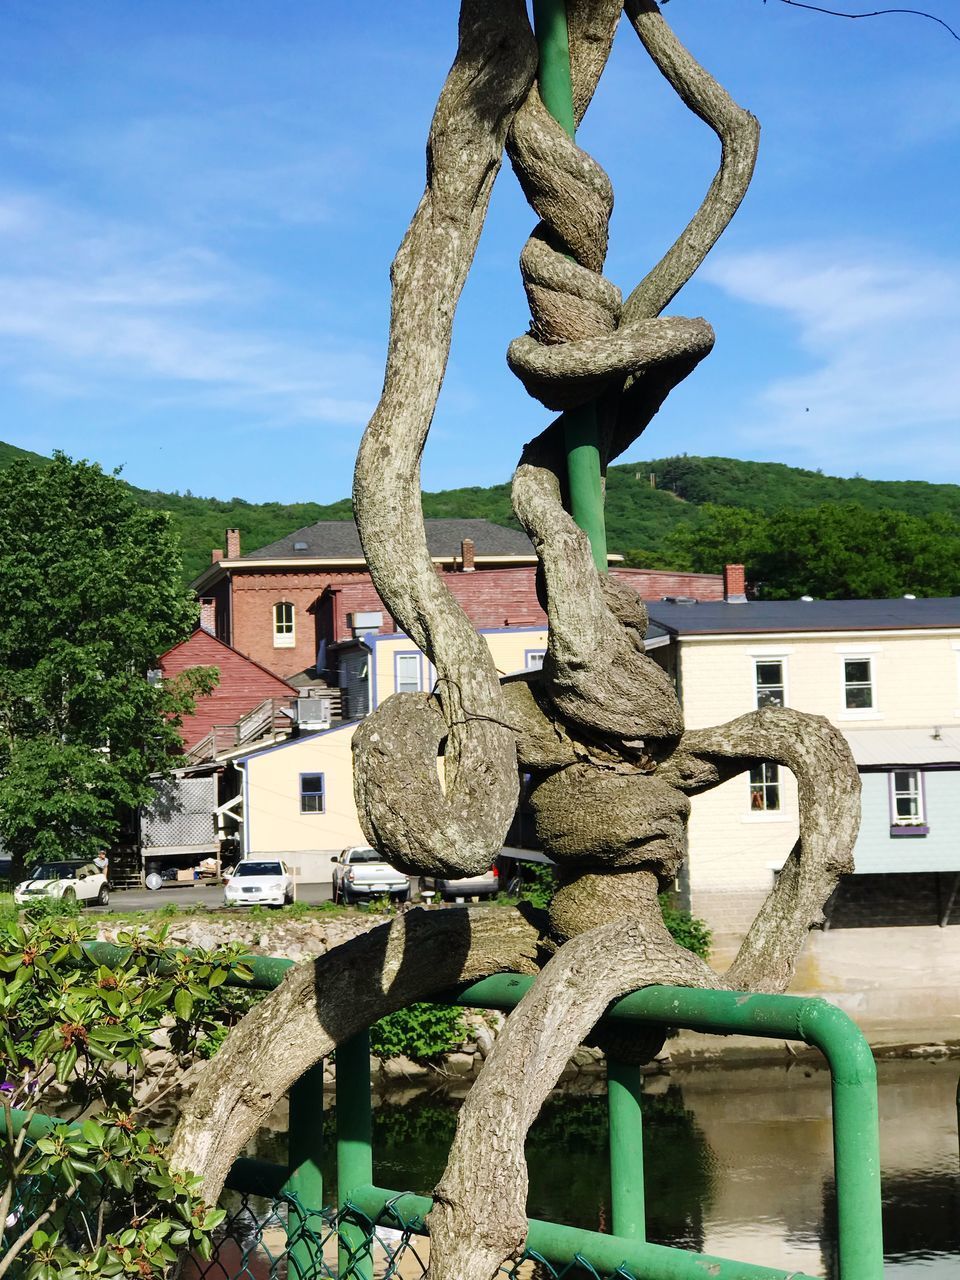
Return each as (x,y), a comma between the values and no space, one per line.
(362,1207)
(813,1022)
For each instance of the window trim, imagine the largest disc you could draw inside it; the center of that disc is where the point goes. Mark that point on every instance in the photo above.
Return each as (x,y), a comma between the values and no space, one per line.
(898,828)
(407,653)
(764,811)
(533,653)
(284,639)
(312,773)
(757,659)
(859,713)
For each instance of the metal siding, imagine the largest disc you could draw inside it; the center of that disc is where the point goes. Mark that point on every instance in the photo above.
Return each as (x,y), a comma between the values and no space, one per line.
(877,851)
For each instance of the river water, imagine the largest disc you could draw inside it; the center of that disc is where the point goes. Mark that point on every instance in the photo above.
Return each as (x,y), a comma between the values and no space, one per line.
(738,1162)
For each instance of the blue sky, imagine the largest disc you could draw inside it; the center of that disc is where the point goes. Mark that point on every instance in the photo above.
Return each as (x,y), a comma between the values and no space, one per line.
(199,204)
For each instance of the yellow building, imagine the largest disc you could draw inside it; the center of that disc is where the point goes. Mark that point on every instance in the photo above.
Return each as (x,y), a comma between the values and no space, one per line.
(887,674)
(297,796)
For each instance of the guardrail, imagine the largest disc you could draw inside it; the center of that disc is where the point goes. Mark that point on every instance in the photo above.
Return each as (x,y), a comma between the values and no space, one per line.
(362,1206)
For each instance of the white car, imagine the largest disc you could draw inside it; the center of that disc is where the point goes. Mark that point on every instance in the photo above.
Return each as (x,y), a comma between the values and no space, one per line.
(259,881)
(83,881)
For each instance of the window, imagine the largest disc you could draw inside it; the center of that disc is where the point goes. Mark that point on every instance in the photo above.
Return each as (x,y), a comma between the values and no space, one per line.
(765,788)
(770,686)
(857,684)
(283,631)
(407,672)
(312,797)
(534,659)
(907,809)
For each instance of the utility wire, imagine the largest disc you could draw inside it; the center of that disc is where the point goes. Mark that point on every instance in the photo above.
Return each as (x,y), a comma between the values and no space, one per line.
(874,13)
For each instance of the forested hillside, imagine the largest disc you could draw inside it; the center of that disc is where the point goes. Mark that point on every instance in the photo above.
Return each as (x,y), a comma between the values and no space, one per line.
(650,523)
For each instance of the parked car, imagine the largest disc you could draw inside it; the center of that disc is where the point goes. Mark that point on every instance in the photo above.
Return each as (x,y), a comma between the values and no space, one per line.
(483,886)
(64,880)
(362,872)
(260,881)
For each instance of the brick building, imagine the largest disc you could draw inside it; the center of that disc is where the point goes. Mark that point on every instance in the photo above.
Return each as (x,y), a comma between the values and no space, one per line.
(244,684)
(284,604)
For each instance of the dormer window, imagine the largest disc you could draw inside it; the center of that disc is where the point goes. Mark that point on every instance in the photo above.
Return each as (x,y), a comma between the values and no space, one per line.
(284,636)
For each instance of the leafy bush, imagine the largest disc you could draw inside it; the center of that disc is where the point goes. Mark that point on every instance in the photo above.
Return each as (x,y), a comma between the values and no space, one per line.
(79,1030)
(685,929)
(420,1031)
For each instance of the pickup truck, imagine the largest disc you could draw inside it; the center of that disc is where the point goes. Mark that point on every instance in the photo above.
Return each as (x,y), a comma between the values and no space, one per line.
(361,872)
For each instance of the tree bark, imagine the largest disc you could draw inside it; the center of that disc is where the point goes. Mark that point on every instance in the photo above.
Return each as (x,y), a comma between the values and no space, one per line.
(323,1002)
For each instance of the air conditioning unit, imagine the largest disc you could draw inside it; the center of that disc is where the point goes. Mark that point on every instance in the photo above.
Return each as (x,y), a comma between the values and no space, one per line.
(313,713)
(364,622)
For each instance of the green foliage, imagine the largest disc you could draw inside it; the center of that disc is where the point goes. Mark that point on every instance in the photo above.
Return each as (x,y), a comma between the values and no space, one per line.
(685,929)
(110,1203)
(539,884)
(420,1031)
(90,594)
(833,551)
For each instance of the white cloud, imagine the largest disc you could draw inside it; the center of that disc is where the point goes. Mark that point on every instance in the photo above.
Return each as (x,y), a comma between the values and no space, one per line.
(89,308)
(881,334)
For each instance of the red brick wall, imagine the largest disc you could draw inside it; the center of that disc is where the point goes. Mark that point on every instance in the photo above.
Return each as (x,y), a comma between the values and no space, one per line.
(243,685)
(490,598)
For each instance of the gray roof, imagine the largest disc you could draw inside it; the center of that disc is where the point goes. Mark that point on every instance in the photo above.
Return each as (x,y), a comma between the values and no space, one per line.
(874,748)
(338,540)
(706,618)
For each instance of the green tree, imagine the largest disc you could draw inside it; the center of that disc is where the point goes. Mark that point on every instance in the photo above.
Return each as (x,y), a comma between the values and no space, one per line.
(90,595)
(833,551)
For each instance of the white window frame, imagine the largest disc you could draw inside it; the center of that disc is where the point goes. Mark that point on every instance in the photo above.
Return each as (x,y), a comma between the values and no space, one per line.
(859,653)
(283,638)
(919,819)
(408,686)
(766,781)
(533,659)
(766,660)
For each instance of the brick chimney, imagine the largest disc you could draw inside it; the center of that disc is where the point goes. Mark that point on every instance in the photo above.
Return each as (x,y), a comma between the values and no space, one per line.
(233,544)
(216,555)
(208,614)
(734,584)
(467,556)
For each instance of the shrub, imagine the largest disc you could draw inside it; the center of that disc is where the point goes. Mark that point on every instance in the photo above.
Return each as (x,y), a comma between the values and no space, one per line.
(685,929)
(420,1031)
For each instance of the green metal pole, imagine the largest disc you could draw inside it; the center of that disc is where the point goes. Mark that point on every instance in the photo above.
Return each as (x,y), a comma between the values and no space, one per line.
(354,1150)
(625,1112)
(566,1246)
(581,436)
(304,1184)
(856,1138)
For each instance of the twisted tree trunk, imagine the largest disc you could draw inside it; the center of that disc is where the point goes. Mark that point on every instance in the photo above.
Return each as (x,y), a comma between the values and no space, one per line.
(599,731)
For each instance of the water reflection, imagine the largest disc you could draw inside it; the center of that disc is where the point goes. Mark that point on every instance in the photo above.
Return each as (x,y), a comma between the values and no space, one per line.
(738,1163)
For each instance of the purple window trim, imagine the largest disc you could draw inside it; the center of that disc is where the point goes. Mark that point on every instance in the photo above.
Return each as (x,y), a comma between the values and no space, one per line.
(901,829)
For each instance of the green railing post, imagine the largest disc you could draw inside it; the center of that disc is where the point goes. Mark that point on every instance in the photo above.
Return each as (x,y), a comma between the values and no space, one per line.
(580,432)
(627,1202)
(354,1150)
(304,1184)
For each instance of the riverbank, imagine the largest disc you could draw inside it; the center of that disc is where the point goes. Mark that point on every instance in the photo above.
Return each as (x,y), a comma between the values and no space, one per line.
(910,1028)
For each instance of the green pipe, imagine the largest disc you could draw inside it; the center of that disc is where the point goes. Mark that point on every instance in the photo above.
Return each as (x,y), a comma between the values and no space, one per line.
(580,432)
(564,1246)
(624,1108)
(354,1150)
(268,971)
(304,1184)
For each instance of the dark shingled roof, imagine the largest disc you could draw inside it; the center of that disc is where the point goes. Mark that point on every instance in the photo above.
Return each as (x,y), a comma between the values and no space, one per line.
(338,540)
(707,618)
